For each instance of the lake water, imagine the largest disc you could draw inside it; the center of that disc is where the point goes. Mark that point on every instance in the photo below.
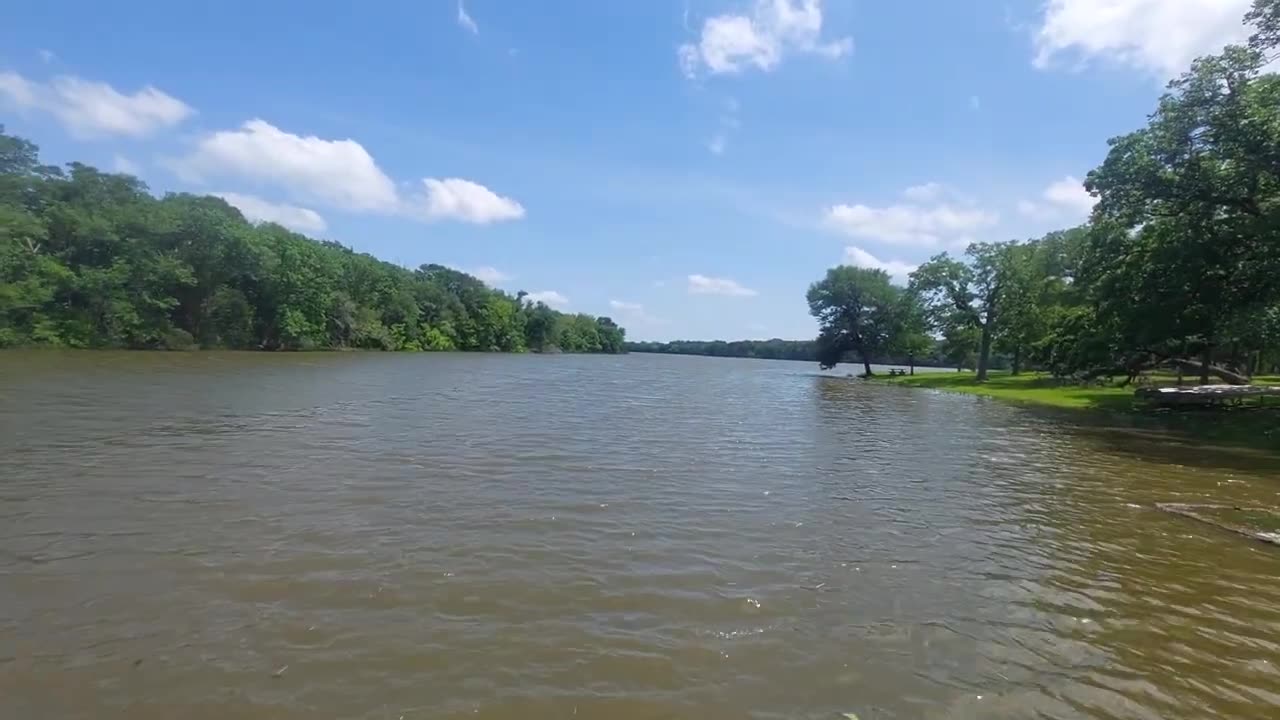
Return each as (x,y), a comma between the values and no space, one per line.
(221,535)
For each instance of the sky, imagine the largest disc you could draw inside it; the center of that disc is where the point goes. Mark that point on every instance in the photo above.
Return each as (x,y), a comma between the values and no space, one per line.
(686,167)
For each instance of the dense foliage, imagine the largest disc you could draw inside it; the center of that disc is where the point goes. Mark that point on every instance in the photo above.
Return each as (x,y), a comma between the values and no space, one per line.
(91,259)
(778,349)
(1178,266)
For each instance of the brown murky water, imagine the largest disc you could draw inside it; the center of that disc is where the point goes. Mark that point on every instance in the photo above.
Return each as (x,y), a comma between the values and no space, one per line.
(446,536)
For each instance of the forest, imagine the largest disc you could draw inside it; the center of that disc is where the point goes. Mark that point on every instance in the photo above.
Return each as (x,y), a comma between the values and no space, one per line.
(1178,266)
(92,260)
(933,353)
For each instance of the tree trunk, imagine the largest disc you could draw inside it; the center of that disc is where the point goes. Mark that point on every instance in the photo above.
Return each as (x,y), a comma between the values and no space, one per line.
(911,362)
(1206,360)
(866,365)
(984,352)
(1219,372)
(1017,360)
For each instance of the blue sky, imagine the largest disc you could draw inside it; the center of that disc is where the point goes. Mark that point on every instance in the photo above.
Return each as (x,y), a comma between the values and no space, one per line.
(687,167)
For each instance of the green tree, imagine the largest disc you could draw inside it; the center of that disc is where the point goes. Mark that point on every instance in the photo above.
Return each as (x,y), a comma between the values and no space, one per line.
(858,311)
(957,296)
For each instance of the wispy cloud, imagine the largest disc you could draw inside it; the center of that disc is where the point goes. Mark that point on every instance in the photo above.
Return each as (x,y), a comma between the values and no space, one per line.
(930,215)
(704,285)
(291,216)
(490,275)
(550,297)
(465,21)
(89,109)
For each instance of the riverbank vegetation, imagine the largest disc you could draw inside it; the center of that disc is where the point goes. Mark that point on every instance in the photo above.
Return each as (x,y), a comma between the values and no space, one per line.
(1178,268)
(778,349)
(92,260)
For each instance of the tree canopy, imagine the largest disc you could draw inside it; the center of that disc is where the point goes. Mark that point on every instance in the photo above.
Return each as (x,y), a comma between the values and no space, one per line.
(1180,259)
(91,259)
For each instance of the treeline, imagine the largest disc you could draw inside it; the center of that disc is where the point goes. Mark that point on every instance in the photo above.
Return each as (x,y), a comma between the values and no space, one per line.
(778,349)
(1179,264)
(775,349)
(92,260)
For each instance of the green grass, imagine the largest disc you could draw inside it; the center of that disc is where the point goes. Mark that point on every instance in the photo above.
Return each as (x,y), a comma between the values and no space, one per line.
(1026,388)
(1250,426)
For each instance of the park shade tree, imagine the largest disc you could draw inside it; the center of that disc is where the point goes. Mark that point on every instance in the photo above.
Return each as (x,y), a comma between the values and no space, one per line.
(859,311)
(958,295)
(1187,248)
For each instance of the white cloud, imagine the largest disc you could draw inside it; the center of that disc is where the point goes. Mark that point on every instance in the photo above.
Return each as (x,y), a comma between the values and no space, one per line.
(93,109)
(465,21)
(1064,199)
(550,297)
(909,223)
(928,192)
(703,285)
(1070,193)
(46,56)
(467,201)
(1158,36)
(490,275)
(897,269)
(634,312)
(291,216)
(122,164)
(338,172)
(717,144)
(772,28)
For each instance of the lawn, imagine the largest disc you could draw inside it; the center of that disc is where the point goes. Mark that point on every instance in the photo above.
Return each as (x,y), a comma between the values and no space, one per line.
(1027,388)
(1248,426)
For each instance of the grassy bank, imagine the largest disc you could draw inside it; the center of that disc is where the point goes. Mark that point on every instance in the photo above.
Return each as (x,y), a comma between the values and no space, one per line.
(1027,388)
(1252,427)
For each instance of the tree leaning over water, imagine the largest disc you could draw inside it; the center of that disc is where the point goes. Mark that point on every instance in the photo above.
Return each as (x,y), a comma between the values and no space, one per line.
(92,259)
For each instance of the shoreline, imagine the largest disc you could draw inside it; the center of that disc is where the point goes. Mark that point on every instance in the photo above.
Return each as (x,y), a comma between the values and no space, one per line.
(1251,427)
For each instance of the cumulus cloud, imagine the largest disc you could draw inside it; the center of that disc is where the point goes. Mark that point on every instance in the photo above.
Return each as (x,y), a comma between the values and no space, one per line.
(925,219)
(1064,199)
(466,201)
(291,216)
(1161,37)
(760,38)
(490,275)
(897,269)
(90,109)
(465,20)
(336,173)
(704,285)
(550,297)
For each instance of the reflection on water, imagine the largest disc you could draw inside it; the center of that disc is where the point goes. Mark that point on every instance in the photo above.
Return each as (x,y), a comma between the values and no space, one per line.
(377,536)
